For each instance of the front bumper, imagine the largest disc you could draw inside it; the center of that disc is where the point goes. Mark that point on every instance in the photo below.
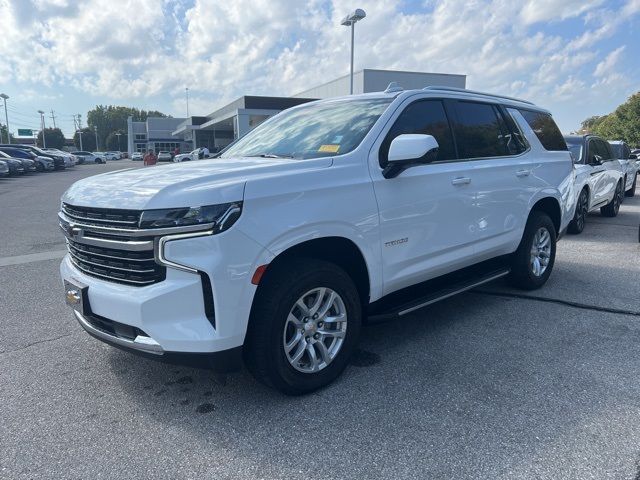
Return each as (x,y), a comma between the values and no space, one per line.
(173,313)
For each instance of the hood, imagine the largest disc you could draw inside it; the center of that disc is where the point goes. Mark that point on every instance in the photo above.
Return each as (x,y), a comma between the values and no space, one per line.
(205,182)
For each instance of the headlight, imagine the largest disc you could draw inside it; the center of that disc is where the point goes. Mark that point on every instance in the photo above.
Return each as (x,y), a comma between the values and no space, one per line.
(220,216)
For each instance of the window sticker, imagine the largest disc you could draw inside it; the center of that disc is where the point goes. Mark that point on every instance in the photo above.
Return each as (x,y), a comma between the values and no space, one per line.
(329,148)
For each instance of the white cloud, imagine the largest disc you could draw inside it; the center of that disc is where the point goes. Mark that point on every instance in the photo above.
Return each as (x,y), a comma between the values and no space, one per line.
(138,49)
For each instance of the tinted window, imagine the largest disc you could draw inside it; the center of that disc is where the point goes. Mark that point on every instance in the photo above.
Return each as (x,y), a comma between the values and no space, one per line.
(545,129)
(425,117)
(479,131)
(14,152)
(575,147)
(604,150)
(515,141)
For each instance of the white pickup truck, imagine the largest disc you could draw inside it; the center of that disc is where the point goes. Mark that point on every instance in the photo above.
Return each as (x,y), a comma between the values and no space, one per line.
(328,215)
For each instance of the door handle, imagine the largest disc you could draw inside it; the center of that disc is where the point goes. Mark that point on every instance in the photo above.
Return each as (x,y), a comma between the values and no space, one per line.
(461,181)
(523,173)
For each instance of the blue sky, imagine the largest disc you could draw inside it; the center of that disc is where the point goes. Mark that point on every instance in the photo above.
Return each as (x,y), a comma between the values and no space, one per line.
(576,58)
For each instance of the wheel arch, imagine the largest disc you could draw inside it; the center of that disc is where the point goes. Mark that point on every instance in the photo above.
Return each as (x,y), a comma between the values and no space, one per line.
(335,249)
(551,207)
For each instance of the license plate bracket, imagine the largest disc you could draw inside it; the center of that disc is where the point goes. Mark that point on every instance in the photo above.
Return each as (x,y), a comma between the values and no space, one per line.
(77,296)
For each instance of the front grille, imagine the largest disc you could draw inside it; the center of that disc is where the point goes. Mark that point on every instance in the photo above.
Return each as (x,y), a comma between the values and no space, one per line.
(120,266)
(103,217)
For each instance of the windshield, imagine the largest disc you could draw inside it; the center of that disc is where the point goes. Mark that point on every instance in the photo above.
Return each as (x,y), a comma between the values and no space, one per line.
(575,148)
(312,131)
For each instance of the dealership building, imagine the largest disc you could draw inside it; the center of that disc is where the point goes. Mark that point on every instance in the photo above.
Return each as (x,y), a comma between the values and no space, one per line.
(222,126)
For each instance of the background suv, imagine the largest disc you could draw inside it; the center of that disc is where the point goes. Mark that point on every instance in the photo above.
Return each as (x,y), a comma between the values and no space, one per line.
(327,215)
(622,152)
(599,178)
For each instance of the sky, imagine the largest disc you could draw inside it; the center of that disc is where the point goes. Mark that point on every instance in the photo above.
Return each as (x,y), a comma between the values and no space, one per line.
(576,58)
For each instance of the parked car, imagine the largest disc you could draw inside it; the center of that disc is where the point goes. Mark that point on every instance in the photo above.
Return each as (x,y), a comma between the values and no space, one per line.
(164,156)
(14,165)
(627,160)
(42,163)
(197,154)
(4,169)
(330,213)
(599,179)
(137,156)
(28,164)
(87,157)
(115,155)
(70,160)
(100,157)
(58,160)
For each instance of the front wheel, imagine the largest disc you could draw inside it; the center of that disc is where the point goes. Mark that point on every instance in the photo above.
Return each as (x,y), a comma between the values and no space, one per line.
(579,218)
(632,191)
(533,262)
(304,325)
(612,208)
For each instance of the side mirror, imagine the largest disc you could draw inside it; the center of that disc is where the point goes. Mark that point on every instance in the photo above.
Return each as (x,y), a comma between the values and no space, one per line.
(409,150)
(633,156)
(596,160)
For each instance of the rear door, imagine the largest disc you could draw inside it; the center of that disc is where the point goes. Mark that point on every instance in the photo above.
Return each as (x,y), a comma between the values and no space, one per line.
(611,169)
(500,172)
(598,180)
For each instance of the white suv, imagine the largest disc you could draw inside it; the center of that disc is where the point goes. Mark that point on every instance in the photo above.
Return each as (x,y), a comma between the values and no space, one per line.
(327,215)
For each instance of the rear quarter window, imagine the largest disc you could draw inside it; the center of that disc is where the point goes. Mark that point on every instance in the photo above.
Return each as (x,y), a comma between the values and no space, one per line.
(545,129)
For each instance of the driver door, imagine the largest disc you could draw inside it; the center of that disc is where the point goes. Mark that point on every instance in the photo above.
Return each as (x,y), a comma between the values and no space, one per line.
(427,213)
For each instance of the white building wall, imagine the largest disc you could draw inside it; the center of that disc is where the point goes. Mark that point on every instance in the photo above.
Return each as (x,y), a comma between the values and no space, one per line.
(368,80)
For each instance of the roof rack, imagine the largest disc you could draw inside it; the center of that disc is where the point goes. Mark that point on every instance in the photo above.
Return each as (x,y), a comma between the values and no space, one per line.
(475,92)
(394,87)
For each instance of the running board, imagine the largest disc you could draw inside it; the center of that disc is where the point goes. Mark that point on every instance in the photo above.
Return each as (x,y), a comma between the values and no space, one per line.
(437,292)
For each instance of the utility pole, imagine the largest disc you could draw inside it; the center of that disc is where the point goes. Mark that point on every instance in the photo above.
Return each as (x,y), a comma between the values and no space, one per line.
(53,118)
(44,140)
(4,96)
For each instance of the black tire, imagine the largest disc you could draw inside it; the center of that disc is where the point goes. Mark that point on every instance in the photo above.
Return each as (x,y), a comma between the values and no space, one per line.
(280,289)
(522,270)
(631,193)
(612,208)
(576,225)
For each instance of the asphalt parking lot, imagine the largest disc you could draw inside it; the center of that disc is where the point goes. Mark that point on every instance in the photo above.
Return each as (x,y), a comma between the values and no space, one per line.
(490,384)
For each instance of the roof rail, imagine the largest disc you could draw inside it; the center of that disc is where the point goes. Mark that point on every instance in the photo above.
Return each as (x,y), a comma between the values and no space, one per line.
(475,92)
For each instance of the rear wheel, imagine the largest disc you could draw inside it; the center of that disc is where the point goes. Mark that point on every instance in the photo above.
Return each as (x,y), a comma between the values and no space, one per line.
(632,191)
(579,218)
(533,262)
(304,325)
(612,208)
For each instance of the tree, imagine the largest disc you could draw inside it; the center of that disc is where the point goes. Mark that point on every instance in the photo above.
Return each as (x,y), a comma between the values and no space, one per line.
(113,143)
(112,118)
(53,136)
(622,124)
(589,124)
(3,134)
(88,140)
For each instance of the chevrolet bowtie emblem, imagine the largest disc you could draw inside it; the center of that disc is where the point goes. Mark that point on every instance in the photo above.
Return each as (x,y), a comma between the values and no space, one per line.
(73,231)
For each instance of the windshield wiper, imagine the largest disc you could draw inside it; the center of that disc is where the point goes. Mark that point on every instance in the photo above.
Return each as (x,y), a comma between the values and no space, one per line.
(270,155)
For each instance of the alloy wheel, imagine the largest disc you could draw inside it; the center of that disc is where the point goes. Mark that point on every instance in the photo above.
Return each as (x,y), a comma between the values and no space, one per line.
(315,330)
(582,210)
(540,252)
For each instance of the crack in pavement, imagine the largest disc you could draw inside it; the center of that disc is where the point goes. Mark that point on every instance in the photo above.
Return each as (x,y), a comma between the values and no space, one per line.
(3,352)
(558,301)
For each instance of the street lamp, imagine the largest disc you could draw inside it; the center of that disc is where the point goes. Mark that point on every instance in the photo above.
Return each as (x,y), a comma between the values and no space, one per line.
(350,21)
(186,90)
(118,135)
(4,96)
(44,142)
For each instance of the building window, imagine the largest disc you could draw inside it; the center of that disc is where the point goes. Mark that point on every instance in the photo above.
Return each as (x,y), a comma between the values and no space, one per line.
(141,136)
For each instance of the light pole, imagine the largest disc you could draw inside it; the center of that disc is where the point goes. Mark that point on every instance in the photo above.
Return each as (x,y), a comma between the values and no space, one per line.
(4,96)
(95,131)
(118,135)
(186,90)
(350,21)
(44,141)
